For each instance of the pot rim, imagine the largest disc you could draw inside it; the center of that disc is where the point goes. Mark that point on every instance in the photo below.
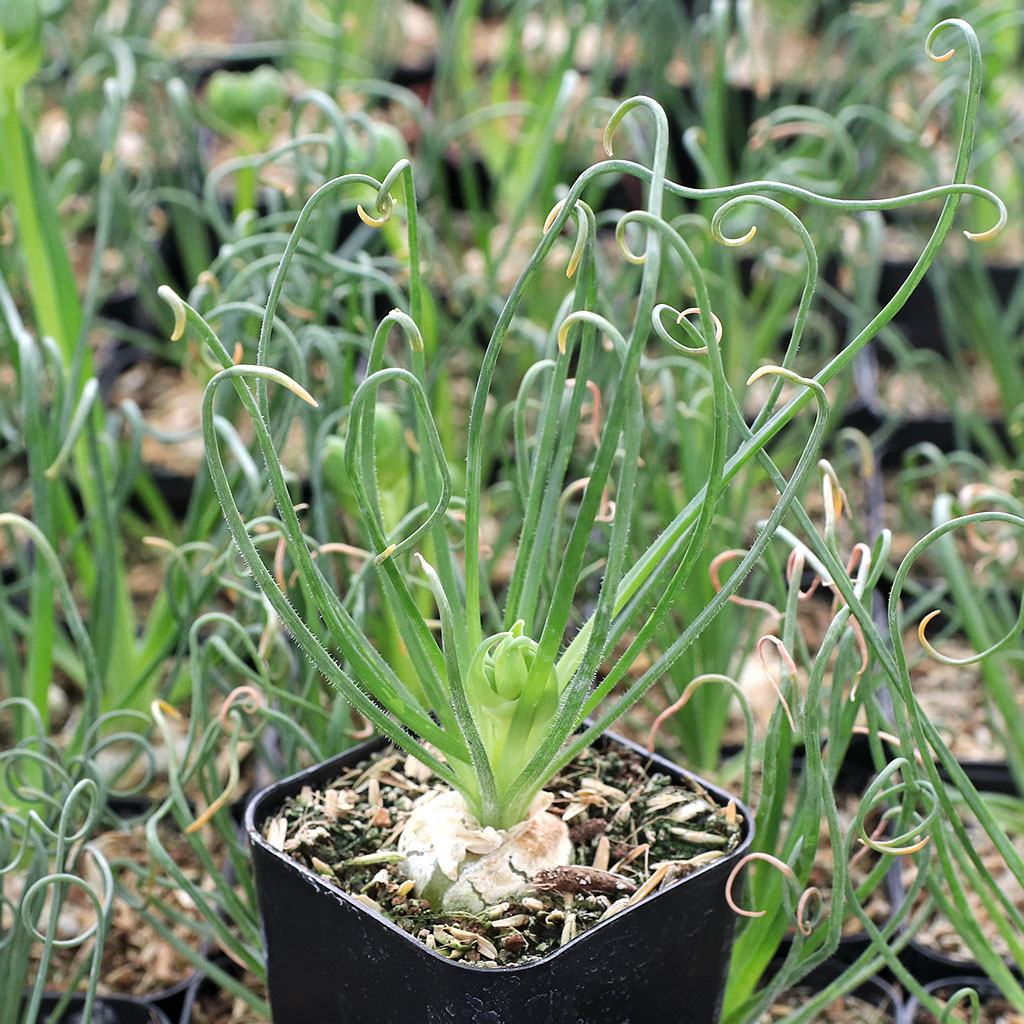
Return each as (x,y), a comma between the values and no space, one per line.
(254,812)
(114,1002)
(981,983)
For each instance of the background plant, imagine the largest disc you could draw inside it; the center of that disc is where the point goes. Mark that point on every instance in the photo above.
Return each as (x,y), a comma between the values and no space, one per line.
(54,803)
(76,456)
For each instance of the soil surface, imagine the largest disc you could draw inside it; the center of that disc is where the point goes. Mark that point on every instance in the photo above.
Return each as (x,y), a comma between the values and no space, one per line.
(631,834)
(846,1010)
(215,1006)
(938,934)
(954,699)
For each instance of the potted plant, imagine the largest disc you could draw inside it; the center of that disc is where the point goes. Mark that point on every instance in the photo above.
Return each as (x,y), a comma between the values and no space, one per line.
(504,700)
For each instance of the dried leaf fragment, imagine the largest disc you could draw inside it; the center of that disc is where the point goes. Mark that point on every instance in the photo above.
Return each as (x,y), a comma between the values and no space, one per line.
(698,838)
(515,921)
(276,833)
(690,810)
(323,869)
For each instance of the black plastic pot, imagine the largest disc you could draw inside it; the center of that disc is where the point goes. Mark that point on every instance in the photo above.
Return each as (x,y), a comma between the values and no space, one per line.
(920,318)
(743,106)
(200,986)
(943,988)
(987,777)
(175,488)
(108,1010)
(876,990)
(172,1001)
(897,436)
(332,960)
(857,768)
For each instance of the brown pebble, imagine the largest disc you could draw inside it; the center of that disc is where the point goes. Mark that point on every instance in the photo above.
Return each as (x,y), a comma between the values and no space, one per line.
(514,943)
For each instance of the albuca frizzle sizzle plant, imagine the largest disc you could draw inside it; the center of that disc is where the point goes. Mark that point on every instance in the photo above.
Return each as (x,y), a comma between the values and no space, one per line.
(499,698)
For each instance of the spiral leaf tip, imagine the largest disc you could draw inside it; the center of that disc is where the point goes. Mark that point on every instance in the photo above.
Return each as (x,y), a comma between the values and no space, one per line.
(741,240)
(373,222)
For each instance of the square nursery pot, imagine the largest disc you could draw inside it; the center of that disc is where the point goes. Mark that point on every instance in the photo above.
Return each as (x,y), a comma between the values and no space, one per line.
(331,960)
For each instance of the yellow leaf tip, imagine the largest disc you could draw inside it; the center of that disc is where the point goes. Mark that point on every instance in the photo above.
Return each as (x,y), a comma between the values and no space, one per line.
(385,554)
(177,307)
(369,221)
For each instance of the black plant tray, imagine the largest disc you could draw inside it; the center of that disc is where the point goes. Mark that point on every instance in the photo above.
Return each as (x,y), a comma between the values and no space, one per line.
(945,987)
(331,960)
